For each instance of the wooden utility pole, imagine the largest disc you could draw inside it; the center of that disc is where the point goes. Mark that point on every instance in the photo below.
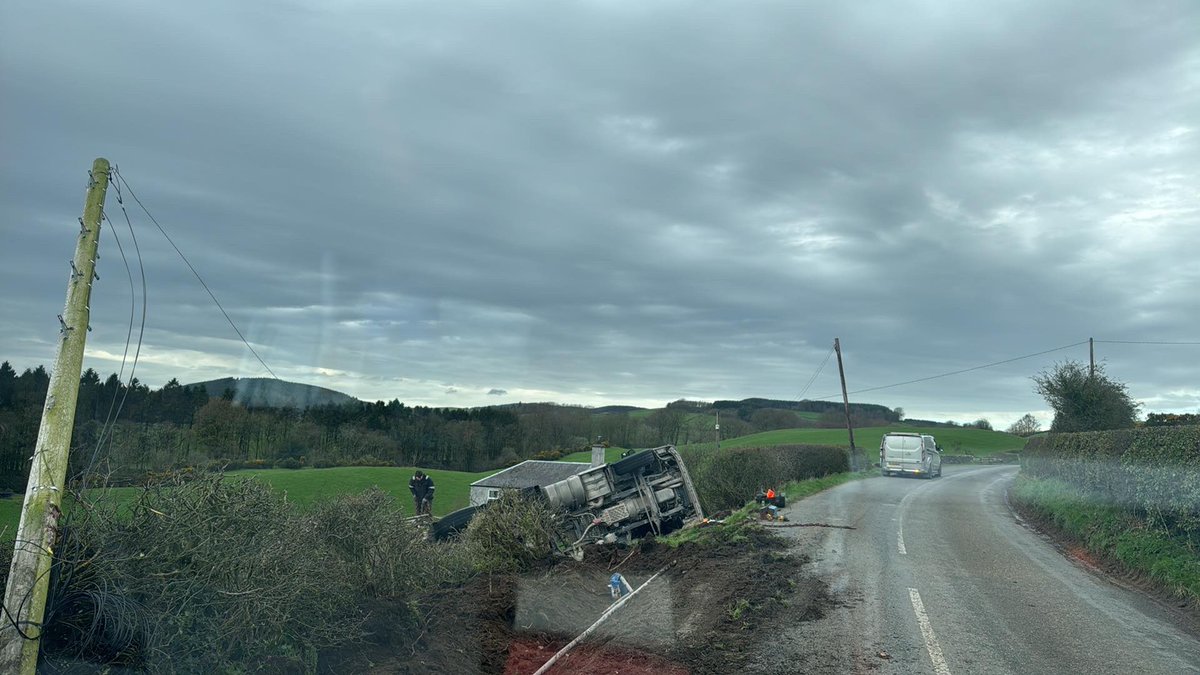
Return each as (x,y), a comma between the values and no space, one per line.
(1092,358)
(37,535)
(717,428)
(837,347)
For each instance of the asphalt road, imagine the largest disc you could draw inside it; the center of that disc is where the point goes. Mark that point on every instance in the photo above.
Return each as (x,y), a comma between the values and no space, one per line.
(941,577)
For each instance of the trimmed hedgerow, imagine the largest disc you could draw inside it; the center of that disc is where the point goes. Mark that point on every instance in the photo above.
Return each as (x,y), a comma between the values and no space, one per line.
(727,479)
(1153,472)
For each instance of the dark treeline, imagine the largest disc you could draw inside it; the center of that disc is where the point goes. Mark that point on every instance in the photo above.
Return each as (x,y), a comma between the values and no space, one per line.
(177,426)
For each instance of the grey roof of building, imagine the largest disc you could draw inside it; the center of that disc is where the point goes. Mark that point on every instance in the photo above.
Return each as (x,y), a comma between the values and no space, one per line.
(532,472)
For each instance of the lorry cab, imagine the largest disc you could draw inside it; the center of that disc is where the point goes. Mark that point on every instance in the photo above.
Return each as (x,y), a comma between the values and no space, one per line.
(909,454)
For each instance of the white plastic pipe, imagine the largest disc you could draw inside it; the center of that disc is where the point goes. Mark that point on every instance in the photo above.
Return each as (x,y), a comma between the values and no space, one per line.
(590,629)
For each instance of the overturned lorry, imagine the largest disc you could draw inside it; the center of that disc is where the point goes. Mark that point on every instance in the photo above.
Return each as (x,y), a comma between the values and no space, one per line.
(648,492)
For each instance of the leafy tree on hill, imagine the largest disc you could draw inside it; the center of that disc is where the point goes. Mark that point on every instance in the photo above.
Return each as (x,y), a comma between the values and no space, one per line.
(1025,426)
(1085,402)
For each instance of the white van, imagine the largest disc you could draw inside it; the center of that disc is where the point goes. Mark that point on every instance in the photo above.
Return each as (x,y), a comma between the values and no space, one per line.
(912,454)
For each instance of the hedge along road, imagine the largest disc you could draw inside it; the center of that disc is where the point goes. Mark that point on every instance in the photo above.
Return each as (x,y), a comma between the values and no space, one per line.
(940,577)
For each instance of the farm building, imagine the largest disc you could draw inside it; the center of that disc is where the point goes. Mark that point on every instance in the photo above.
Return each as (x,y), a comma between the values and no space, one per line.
(530,473)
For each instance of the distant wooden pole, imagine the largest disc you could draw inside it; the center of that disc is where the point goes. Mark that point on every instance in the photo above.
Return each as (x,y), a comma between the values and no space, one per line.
(29,574)
(837,347)
(1092,357)
(717,429)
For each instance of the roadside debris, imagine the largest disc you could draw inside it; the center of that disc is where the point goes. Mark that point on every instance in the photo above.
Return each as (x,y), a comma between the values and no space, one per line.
(772,513)
(838,527)
(771,497)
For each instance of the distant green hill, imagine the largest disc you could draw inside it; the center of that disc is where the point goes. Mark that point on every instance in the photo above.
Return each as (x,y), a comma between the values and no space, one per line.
(263,392)
(616,409)
(955,440)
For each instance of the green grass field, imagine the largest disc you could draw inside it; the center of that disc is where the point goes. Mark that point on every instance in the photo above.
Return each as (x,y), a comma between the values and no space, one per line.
(955,441)
(305,486)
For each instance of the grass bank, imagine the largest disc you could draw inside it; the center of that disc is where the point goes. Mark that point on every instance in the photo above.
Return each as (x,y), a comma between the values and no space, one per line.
(731,531)
(1111,534)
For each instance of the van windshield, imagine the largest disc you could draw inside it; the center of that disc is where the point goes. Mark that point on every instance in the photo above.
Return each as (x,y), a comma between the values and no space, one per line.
(903,442)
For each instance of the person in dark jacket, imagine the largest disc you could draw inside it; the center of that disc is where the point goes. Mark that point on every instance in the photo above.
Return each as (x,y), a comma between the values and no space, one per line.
(421,487)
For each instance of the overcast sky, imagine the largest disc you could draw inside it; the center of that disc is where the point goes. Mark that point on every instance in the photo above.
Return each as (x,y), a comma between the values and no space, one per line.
(461,203)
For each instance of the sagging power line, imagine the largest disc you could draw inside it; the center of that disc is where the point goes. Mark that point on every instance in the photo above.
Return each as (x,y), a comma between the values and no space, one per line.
(956,372)
(121,179)
(816,373)
(1089,342)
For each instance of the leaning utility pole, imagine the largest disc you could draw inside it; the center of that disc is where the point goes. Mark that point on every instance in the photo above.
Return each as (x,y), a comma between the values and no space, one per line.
(37,535)
(837,347)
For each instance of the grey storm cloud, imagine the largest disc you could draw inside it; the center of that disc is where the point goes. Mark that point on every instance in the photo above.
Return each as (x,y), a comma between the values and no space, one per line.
(617,202)
(497,392)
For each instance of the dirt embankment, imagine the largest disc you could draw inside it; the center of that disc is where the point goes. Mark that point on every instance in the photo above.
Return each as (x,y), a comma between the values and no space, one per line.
(711,603)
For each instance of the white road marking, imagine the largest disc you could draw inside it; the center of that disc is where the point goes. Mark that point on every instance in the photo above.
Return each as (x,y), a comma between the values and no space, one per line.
(909,497)
(985,491)
(931,643)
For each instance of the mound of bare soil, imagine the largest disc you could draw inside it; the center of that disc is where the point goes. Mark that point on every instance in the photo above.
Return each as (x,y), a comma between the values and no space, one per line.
(709,605)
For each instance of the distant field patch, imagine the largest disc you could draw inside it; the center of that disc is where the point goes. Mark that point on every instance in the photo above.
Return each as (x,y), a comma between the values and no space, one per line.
(610,455)
(955,441)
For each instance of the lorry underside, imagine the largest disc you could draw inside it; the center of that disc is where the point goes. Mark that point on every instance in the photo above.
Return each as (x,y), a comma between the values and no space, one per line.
(649,492)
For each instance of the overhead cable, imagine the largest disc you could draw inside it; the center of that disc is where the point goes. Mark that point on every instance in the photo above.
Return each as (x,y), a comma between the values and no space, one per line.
(958,372)
(1143,342)
(194,272)
(813,379)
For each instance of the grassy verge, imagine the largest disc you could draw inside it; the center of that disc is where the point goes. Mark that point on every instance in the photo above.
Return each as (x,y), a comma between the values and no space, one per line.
(1112,534)
(732,530)
(804,488)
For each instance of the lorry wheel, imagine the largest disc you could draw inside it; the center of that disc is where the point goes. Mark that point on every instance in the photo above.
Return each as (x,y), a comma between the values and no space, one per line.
(632,463)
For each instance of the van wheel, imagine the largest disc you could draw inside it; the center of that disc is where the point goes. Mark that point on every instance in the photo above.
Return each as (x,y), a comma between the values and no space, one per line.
(633,462)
